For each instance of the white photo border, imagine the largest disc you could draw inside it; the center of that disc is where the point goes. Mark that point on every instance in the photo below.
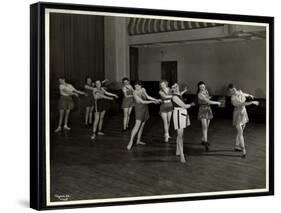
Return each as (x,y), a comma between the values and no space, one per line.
(46,39)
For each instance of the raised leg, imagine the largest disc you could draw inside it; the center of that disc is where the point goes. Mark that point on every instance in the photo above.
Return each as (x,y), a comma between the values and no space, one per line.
(140,134)
(133,134)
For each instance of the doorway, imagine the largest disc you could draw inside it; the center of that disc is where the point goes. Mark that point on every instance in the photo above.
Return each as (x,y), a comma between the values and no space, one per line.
(169,71)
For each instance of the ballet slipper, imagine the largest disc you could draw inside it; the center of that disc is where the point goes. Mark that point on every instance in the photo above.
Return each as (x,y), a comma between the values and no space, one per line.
(65,127)
(129,147)
(141,143)
(244,153)
(58,129)
(183,159)
(166,138)
(100,133)
(237,149)
(93,136)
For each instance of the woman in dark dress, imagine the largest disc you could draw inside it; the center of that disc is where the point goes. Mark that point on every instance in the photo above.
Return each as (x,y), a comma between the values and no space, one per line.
(205,113)
(89,101)
(127,102)
(142,99)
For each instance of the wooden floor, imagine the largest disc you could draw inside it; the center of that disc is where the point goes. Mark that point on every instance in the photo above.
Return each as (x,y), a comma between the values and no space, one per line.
(84,169)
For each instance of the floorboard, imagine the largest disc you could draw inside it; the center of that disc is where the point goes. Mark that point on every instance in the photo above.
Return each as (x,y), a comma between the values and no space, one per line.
(84,169)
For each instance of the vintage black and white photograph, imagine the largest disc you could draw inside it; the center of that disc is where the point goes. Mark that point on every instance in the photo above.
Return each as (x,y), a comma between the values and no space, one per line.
(143,107)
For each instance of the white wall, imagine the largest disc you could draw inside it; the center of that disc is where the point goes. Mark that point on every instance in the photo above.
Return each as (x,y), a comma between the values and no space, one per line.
(218,64)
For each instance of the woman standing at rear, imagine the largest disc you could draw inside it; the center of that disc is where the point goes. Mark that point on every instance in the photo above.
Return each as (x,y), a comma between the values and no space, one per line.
(205,113)
(180,119)
(101,106)
(66,103)
(240,115)
(127,102)
(90,102)
(142,99)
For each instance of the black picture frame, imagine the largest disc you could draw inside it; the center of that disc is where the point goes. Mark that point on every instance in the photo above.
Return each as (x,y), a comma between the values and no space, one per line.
(37,100)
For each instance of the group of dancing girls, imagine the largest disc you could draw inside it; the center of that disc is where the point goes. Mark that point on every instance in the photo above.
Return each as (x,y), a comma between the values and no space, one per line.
(171,105)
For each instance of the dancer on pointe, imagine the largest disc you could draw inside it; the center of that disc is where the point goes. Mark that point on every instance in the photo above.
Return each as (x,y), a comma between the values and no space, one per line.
(142,99)
(240,115)
(180,119)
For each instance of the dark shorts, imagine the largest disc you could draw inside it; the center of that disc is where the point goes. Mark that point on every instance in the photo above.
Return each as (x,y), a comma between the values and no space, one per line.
(166,107)
(102,105)
(65,103)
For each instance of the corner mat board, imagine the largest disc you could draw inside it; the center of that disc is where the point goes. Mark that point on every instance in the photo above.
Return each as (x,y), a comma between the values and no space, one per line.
(133,106)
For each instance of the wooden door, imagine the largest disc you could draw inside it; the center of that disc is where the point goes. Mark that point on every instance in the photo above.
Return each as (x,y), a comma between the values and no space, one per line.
(169,70)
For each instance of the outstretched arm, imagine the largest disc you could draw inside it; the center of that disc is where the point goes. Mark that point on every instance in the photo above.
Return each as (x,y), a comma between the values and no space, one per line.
(179,102)
(248,95)
(71,90)
(235,102)
(98,95)
(184,91)
(149,97)
(202,97)
(88,87)
(140,100)
(109,93)
(164,96)
(79,92)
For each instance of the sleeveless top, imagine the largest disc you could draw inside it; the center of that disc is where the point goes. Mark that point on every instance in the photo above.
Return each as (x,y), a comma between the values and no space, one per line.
(238,99)
(129,91)
(89,92)
(206,95)
(66,89)
(100,91)
(141,95)
(169,93)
